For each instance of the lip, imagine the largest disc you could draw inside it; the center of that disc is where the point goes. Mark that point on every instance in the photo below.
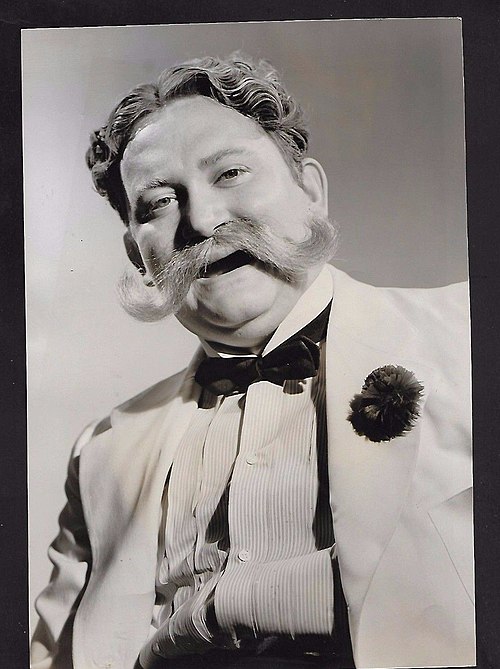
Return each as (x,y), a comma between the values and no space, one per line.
(226,264)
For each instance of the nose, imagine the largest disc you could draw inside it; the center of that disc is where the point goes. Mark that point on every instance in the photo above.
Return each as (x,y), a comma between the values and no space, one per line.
(204,211)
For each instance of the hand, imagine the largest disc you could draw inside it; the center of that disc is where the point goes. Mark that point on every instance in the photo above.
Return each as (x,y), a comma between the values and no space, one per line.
(192,629)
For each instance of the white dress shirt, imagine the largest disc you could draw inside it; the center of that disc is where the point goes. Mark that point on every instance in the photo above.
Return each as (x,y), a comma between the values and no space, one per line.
(247,524)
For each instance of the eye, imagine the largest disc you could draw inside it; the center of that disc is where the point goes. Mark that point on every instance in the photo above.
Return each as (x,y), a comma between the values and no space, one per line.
(162,202)
(155,208)
(231,174)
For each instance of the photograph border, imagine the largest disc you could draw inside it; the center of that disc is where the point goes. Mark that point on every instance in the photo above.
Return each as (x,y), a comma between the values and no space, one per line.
(481,31)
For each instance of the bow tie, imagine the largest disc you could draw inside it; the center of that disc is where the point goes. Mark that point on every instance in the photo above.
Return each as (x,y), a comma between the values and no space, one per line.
(296,358)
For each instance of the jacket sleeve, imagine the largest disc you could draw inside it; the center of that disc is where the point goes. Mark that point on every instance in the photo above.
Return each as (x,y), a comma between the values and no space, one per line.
(71,556)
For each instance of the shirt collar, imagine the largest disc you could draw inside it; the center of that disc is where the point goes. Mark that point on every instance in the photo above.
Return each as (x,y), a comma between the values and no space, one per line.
(309,305)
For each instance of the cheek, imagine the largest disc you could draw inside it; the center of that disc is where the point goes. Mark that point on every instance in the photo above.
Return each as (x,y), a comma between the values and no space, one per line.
(285,209)
(155,243)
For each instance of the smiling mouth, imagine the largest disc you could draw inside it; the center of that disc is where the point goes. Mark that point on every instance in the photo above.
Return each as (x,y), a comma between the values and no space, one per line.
(227,264)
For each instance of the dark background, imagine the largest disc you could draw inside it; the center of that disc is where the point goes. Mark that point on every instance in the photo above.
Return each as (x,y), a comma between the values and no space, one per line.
(481,30)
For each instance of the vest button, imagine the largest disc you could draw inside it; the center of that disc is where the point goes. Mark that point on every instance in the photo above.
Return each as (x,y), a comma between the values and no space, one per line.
(244,556)
(251,459)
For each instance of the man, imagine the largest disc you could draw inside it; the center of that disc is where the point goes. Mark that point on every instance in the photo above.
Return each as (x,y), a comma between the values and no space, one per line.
(304,487)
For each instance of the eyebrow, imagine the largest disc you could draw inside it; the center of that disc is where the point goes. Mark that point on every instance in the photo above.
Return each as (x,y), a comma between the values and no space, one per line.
(155,183)
(214,158)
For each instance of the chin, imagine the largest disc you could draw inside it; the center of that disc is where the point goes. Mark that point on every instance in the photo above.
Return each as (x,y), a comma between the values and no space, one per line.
(237,319)
(239,308)
(230,312)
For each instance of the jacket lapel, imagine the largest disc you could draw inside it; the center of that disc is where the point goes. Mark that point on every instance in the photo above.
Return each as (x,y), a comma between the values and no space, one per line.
(125,470)
(369,481)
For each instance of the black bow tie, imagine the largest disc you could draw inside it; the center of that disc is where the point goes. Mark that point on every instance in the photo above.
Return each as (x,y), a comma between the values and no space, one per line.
(296,358)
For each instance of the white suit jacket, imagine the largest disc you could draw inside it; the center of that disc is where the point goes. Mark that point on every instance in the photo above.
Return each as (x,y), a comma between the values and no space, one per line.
(402,509)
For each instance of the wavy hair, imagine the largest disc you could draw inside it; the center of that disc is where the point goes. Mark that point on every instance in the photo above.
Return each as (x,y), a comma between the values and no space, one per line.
(252,89)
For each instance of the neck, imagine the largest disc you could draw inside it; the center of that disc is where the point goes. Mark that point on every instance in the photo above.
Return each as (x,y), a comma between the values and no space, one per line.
(240,350)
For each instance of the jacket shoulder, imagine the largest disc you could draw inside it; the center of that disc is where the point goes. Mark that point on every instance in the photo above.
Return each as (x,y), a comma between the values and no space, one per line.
(443,304)
(452,298)
(432,323)
(147,401)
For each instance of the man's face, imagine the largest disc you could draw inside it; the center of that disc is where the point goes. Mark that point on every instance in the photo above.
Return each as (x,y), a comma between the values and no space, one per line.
(194,165)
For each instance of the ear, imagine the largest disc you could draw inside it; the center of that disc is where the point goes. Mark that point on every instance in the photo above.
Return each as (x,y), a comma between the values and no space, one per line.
(133,253)
(315,184)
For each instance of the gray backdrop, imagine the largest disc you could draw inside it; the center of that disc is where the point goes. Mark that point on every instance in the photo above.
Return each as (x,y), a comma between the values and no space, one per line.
(385,103)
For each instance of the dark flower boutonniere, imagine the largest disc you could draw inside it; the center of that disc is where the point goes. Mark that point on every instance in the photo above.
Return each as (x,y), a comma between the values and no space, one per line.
(388,404)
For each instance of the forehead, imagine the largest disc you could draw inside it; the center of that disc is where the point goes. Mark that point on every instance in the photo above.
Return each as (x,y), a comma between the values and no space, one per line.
(188,129)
